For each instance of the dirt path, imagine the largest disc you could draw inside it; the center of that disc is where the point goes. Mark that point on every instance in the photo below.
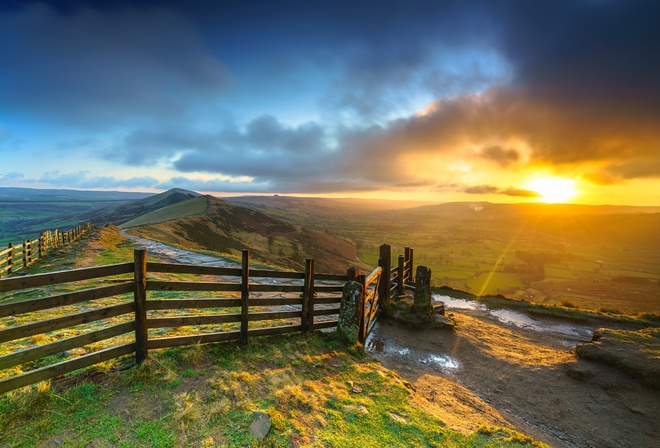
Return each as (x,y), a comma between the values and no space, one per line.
(495,373)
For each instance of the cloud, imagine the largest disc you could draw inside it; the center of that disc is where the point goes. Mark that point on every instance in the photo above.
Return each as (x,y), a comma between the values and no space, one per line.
(91,67)
(491,189)
(83,179)
(499,155)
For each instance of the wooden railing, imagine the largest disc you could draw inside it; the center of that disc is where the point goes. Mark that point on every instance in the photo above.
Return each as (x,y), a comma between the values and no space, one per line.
(21,255)
(382,284)
(139,314)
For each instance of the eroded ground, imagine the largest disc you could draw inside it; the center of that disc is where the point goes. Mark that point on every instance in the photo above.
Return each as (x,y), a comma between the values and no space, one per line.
(492,372)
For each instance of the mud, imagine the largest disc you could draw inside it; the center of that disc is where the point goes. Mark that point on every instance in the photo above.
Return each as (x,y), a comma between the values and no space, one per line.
(521,373)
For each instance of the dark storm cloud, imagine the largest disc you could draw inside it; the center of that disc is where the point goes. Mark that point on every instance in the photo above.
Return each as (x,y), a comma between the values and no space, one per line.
(499,155)
(102,67)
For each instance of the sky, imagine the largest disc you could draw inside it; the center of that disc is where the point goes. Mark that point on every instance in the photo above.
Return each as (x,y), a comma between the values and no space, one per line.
(501,101)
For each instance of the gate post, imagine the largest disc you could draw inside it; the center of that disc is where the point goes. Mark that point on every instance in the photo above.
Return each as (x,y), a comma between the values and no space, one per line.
(385,256)
(351,312)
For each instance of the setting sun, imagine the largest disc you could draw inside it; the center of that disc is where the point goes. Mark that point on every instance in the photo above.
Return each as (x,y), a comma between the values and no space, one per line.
(553,189)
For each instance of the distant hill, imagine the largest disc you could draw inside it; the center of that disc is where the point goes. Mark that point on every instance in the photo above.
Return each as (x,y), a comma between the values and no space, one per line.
(228,229)
(122,213)
(26,212)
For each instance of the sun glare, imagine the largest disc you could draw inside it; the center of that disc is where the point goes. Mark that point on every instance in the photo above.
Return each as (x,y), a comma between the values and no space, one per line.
(553,189)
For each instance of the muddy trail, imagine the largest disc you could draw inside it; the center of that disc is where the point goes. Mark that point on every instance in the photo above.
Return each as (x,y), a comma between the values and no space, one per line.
(502,367)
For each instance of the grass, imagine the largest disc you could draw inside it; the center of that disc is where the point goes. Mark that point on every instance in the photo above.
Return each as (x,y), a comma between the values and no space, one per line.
(206,396)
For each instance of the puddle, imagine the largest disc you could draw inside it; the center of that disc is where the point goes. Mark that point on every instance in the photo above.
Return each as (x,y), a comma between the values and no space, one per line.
(452,303)
(514,318)
(382,346)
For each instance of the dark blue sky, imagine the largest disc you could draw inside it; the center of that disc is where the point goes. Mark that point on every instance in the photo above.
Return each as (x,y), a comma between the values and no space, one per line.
(443,100)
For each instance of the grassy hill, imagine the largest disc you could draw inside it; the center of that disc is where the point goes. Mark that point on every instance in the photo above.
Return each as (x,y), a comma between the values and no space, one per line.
(208,223)
(125,212)
(316,391)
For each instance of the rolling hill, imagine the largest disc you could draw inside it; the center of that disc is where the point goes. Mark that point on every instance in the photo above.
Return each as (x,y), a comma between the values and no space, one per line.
(208,223)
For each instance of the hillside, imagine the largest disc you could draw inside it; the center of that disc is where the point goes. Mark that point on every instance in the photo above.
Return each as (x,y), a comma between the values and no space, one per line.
(125,212)
(228,229)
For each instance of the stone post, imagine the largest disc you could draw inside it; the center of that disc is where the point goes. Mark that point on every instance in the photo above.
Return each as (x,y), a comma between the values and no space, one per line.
(350,312)
(422,303)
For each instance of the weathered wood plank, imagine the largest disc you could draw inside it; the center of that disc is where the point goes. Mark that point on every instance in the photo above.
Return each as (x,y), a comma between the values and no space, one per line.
(275,288)
(268,273)
(177,341)
(328,288)
(275,301)
(22,331)
(52,278)
(175,268)
(331,277)
(43,303)
(375,274)
(252,317)
(42,351)
(177,304)
(185,321)
(61,368)
(153,285)
(326,312)
(274,330)
(327,324)
(326,300)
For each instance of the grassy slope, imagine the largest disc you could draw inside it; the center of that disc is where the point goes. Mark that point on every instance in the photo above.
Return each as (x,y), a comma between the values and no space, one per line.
(316,392)
(192,207)
(597,257)
(227,229)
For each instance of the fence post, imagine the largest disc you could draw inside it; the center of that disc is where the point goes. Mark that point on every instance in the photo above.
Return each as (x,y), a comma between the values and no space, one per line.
(362,331)
(245,295)
(307,319)
(41,245)
(385,256)
(406,254)
(352,274)
(10,258)
(140,297)
(400,275)
(411,276)
(25,246)
(57,238)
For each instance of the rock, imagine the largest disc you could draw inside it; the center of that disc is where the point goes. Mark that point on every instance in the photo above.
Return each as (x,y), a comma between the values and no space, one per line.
(422,299)
(260,426)
(440,321)
(439,309)
(350,312)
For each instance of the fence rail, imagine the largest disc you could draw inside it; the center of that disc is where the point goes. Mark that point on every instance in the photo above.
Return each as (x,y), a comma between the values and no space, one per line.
(21,255)
(139,311)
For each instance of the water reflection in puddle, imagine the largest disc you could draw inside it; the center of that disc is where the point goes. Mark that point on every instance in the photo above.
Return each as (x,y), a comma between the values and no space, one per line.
(380,345)
(515,318)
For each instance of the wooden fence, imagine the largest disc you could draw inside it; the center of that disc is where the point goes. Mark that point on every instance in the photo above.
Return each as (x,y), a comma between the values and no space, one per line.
(21,255)
(378,287)
(140,310)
